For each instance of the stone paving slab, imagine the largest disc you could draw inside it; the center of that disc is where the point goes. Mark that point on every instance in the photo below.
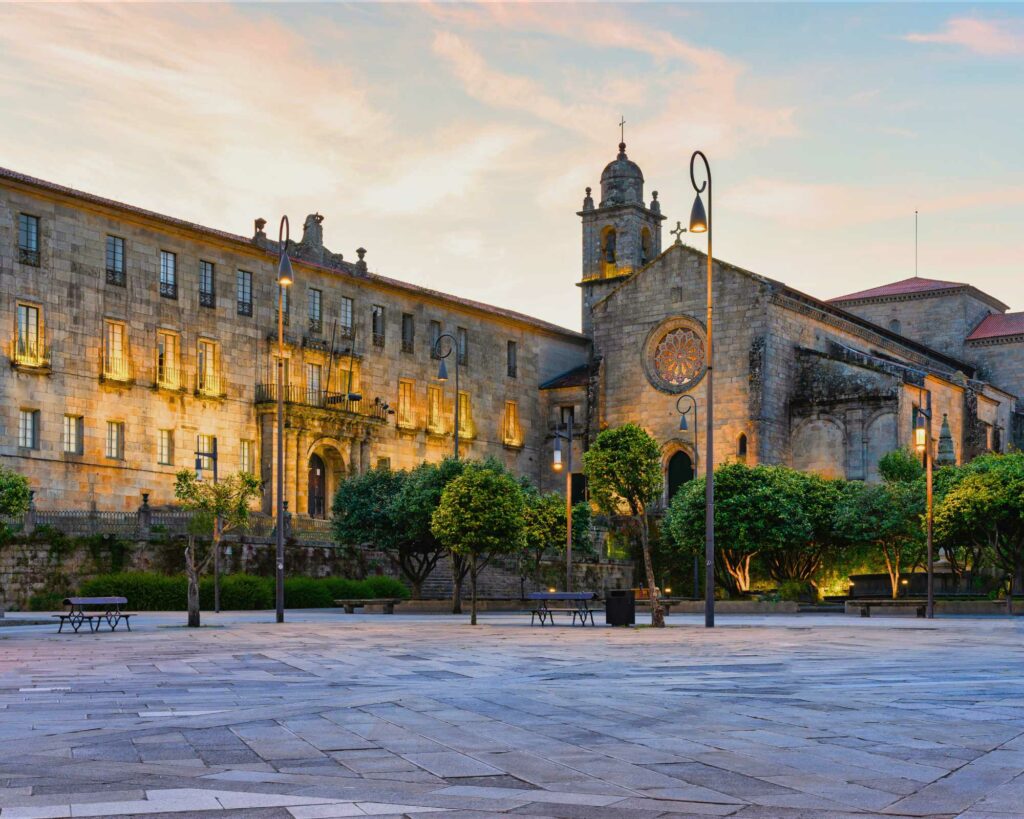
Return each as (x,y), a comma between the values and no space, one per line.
(321,717)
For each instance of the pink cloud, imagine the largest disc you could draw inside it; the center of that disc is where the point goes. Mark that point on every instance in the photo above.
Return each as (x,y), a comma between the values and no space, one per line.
(986,37)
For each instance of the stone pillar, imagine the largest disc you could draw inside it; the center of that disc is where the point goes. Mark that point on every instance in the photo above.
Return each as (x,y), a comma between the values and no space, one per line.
(291,445)
(29,525)
(354,462)
(145,517)
(364,455)
(302,473)
(856,445)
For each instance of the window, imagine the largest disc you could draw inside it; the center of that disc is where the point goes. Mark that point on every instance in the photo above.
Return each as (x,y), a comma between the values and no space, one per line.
(408,332)
(28,239)
(314,379)
(207,294)
(435,336)
(384,464)
(346,317)
(567,414)
(115,440)
(29,350)
(115,352)
(315,300)
(246,457)
(377,316)
(435,410)
(206,446)
(165,447)
(511,360)
(168,372)
(465,416)
(463,337)
(511,433)
(741,449)
(405,412)
(28,429)
(284,305)
(207,376)
(168,275)
(115,260)
(72,436)
(243,292)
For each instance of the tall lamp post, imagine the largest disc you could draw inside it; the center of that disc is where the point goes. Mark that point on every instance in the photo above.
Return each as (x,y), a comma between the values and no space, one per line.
(200,457)
(284,279)
(700,222)
(442,376)
(683,426)
(557,466)
(923,444)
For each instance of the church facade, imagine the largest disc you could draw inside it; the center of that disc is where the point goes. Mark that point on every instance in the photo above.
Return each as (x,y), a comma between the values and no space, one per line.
(137,340)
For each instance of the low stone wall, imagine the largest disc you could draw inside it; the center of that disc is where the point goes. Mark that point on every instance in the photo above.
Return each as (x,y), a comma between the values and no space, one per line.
(736,607)
(948,607)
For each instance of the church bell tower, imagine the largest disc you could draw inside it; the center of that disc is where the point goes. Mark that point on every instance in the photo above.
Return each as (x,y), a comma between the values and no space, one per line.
(620,235)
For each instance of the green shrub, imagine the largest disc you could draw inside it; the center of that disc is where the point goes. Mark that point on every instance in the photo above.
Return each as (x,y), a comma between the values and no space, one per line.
(341,588)
(46,601)
(145,591)
(246,592)
(306,593)
(384,586)
(797,591)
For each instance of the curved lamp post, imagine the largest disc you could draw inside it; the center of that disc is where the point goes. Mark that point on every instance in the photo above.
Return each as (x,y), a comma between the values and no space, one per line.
(442,376)
(923,445)
(683,426)
(700,222)
(284,279)
(556,464)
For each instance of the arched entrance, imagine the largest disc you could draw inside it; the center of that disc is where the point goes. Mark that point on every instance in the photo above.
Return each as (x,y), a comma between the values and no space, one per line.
(317,491)
(680,470)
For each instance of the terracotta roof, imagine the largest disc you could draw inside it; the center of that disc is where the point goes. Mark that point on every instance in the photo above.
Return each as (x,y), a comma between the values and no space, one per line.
(901,288)
(999,324)
(345,267)
(576,377)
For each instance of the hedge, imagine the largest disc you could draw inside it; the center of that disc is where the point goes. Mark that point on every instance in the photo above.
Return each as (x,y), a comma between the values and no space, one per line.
(147,591)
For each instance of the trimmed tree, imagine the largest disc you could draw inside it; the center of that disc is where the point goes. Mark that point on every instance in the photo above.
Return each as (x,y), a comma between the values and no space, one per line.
(14,493)
(480,516)
(543,526)
(217,509)
(623,469)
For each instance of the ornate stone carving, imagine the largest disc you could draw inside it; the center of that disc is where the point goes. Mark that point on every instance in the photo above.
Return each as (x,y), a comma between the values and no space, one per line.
(675,356)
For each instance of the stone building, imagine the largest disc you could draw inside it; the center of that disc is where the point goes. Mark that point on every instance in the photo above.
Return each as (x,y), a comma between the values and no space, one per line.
(137,339)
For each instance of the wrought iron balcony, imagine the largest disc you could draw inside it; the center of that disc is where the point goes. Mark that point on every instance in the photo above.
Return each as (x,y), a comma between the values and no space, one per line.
(321,399)
(30,353)
(378,339)
(168,377)
(244,308)
(169,290)
(28,256)
(407,345)
(115,277)
(210,384)
(116,368)
(207,298)
(316,325)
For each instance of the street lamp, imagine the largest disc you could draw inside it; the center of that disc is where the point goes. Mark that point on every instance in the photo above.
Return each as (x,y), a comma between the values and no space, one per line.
(284,279)
(556,464)
(200,456)
(683,426)
(700,222)
(442,376)
(923,444)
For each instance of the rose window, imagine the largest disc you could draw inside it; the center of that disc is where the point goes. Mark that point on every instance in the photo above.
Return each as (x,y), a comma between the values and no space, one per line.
(679,357)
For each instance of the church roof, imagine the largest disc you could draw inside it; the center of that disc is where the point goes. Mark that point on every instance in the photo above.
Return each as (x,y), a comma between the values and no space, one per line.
(996,325)
(576,377)
(903,287)
(622,166)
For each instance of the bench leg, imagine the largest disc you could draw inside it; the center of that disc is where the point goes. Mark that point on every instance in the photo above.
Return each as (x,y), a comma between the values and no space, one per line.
(865,611)
(61,628)
(389,608)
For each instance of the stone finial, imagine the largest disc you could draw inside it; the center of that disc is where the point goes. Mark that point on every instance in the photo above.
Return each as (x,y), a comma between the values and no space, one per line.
(946,455)
(361,264)
(312,245)
(588,201)
(259,236)
(655,204)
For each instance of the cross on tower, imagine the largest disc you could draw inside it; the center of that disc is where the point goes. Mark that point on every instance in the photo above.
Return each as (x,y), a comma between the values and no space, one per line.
(622,130)
(678,233)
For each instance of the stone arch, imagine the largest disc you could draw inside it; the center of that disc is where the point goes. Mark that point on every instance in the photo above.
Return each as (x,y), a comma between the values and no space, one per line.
(669,451)
(646,246)
(609,243)
(880,437)
(323,453)
(741,448)
(819,445)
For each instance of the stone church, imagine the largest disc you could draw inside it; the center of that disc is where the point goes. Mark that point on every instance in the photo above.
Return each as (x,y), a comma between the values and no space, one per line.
(137,340)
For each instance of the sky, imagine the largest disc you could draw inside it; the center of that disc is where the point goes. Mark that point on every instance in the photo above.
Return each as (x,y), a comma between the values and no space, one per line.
(454,142)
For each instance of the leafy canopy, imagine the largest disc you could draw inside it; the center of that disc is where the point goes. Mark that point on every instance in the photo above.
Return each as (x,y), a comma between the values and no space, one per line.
(14,493)
(623,470)
(228,500)
(481,512)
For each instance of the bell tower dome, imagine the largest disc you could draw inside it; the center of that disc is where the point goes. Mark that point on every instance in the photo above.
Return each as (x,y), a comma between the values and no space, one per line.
(620,235)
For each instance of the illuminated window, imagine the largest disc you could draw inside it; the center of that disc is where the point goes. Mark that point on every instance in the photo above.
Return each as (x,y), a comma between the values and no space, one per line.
(511,433)
(207,374)
(115,352)
(115,261)
(168,275)
(205,446)
(72,437)
(346,316)
(314,307)
(406,417)
(465,416)
(243,292)
(207,293)
(165,447)
(435,410)
(377,322)
(168,372)
(29,349)
(511,356)
(28,239)
(115,440)
(28,429)
(314,379)
(246,457)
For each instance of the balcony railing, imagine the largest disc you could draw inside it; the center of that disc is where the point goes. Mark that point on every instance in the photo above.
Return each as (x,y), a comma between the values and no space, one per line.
(115,277)
(30,353)
(28,256)
(169,290)
(316,325)
(244,308)
(345,331)
(168,378)
(512,437)
(207,298)
(407,345)
(378,339)
(322,399)
(209,384)
(116,367)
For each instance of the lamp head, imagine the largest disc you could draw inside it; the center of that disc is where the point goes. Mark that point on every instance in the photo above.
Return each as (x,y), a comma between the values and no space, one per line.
(698,218)
(920,433)
(556,463)
(683,424)
(442,371)
(284,271)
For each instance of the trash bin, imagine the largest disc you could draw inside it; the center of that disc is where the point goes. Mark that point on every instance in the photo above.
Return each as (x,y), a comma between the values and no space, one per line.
(620,607)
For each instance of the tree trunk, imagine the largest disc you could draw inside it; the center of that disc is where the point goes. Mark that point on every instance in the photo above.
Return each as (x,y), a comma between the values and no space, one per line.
(657,612)
(417,589)
(472,583)
(457,574)
(192,571)
(892,566)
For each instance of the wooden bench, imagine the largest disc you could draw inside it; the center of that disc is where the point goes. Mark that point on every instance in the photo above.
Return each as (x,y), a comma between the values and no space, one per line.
(387,604)
(93,612)
(865,606)
(579,606)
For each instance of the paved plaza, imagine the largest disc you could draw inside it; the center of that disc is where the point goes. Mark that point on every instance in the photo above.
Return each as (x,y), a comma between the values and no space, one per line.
(335,716)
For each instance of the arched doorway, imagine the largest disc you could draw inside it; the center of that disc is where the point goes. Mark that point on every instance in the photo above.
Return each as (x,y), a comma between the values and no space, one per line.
(680,470)
(317,493)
